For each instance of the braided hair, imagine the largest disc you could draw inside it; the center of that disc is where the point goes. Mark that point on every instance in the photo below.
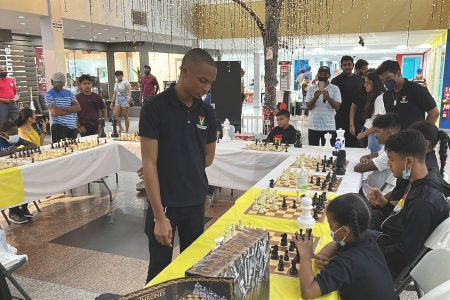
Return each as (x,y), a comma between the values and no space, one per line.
(433,135)
(351,210)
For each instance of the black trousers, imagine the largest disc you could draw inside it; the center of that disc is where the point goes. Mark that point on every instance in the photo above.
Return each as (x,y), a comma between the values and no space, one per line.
(60,132)
(189,221)
(317,137)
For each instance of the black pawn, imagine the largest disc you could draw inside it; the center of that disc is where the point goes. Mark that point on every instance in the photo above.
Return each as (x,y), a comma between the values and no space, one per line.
(284,204)
(274,254)
(312,180)
(323,168)
(32,159)
(297,257)
(318,181)
(281,263)
(286,149)
(294,204)
(284,240)
(286,255)
(271,183)
(293,270)
(292,245)
(53,147)
(317,168)
(324,186)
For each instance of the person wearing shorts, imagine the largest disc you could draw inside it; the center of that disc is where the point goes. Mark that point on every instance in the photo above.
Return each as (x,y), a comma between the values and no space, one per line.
(121,100)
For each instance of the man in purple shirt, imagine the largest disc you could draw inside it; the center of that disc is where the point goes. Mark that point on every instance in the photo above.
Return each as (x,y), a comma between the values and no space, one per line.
(91,106)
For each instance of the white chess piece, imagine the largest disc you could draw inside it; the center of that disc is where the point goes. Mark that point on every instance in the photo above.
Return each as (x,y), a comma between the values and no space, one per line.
(327,146)
(306,219)
(226,131)
(241,224)
(341,136)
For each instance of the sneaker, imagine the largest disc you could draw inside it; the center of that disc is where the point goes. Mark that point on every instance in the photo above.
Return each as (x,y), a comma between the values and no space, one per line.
(140,187)
(16,219)
(27,213)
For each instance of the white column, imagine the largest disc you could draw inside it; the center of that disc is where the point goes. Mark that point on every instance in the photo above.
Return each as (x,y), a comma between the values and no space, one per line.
(258,65)
(53,42)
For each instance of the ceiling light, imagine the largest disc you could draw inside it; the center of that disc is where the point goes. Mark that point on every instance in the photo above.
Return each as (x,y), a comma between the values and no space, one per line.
(23,23)
(27,33)
(83,26)
(402,47)
(105,29)
(99,33)
(126,32)
(426,46)
(21,17)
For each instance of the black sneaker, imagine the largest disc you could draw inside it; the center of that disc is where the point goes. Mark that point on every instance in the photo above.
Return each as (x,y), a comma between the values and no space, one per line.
(27,213)
(16,219)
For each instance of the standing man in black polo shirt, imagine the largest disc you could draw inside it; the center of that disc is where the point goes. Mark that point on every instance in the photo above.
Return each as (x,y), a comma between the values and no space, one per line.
(350,86)
(407,99)
(178,141)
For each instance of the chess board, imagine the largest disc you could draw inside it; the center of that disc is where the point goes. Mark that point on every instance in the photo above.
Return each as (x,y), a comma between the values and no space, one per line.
(129,137)
(311,186)
(284,213)
(266,148)
(311,165)
(275,239)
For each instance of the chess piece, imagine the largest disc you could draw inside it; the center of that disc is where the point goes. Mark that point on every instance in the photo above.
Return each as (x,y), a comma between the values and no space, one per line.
(293,270)
(318,181)
(330,186)
(284,204)
(286,148)
(294,204)
(297,257)
(226,131)
(114,134)
(306,220)
(274,253)
(271,183)
(340,162)
(317,168)
(32,159)
(286,255)
(324,186)
(323,168)
(292,245)
(312,180)
(298,140)
(341,137)
(241,224)
(283,241)
(315,214)
(101,132)
(280,264)
(227,235)
(262,209)
(327,146)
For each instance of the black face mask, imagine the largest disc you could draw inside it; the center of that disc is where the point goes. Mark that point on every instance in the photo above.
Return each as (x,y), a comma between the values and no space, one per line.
(147,72)
(324,79)
(3,74)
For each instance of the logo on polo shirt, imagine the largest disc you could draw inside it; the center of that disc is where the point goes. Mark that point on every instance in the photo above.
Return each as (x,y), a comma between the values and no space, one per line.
(201,122)
(403,101)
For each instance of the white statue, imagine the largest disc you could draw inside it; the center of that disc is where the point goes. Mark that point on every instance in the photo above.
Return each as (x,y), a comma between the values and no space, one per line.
(327,146)
(340,136)
(306,219)
(226,130)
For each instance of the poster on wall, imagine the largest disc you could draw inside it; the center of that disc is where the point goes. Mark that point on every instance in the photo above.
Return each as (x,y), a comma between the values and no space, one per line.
(444,119)
(299,65)
(40,70)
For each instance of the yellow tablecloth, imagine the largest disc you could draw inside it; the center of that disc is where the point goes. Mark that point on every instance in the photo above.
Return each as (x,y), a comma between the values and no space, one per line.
(281,287)
(12,189)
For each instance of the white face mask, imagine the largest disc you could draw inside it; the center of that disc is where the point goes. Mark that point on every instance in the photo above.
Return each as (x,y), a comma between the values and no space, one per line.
(333,233)
(13,139)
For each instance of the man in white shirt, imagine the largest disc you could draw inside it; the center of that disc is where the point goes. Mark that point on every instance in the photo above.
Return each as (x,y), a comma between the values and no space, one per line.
(322,101)
(377,163)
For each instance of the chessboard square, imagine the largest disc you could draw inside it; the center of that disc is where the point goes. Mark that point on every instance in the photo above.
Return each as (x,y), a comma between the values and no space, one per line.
(270,214)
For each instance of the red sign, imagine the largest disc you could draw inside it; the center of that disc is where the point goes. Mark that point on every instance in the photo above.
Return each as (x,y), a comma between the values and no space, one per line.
(40,70)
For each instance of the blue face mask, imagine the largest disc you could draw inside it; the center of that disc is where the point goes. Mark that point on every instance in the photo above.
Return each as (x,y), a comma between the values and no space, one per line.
(406,174)
(333,233)
(13,139)
(390,84)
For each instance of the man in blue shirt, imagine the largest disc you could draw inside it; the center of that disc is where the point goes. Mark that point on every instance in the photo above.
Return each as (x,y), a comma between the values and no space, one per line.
(63,108)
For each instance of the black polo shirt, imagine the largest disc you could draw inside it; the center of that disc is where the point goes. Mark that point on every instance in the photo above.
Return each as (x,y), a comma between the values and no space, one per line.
(359,271)
(350,87)
(288,135)
(411,103)
(182,133)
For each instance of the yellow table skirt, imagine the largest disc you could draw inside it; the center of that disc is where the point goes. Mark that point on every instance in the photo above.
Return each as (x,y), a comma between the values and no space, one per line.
(281,287)
(12,189)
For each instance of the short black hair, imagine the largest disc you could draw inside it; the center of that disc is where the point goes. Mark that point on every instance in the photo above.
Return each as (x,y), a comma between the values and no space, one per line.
(346,57)
(118,72)
(361,63)
(7,126)
(198,56)
(84,77)
(351,210)
(391,66)
(284,113)
(24,114)
(408,142)
(387,121)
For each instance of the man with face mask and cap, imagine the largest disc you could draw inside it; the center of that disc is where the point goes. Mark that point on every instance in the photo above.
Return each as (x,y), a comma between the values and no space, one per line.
(149,85)
(8,92)
(322,100)
(407,99)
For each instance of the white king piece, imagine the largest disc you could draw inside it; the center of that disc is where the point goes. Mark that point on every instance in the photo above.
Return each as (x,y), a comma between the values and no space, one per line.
(226,130)
(306,220)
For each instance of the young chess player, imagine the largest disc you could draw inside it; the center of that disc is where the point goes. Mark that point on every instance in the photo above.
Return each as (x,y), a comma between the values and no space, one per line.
(284,133)
(178,141)
(352,264)
(423,205)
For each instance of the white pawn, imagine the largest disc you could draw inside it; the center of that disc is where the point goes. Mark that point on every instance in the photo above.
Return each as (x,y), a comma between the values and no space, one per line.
(226,131)
(241,224)
(327,146)
(306,219)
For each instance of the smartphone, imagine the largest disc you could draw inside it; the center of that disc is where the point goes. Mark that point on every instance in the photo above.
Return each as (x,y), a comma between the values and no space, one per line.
(321,86)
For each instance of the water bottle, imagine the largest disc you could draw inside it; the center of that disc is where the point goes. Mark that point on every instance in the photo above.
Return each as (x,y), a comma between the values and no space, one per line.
(302,180)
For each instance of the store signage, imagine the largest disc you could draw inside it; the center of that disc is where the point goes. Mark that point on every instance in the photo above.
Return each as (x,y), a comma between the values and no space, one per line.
(40,70)
(57,25)
(6,59)
(285,75)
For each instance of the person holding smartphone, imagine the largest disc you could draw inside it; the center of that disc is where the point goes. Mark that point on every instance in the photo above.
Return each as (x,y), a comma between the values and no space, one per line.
(322,101)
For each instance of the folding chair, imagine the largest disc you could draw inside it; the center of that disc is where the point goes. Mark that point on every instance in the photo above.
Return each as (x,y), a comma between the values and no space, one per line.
(440,238)
(438,293)
(7,273)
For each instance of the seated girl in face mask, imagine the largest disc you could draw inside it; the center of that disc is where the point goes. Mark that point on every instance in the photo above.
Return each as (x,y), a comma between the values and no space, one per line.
(9,143)
(26,123)
(354,264)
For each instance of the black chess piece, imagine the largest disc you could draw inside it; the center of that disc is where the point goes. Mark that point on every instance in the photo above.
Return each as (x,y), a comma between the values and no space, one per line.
(309,233)
(53,147)
(294,204)
(301,232)
(324,186)
(271,183)
(292,245)
(315,214)
(114,134)
(340,162)
(284,241)
(71,150)
(315,197)
(274,253)
(324,196)
(98,140)
(298,140)
(32,159)
(328,176)
(317,168)
(105,141)
(312,180)
(20,154)
(286,255)
(323,168)
(330,186)
(11,155)
(318,181)
(297,257)
(293,270)
(284,204)
(281,263)
(101,132)
(286,148)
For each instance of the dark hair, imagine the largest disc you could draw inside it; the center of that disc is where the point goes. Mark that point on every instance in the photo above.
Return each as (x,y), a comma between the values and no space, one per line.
(85,77)
(361,63)
(118,72)
(284,113)
(7,126)
(351,210)
(433,135)
(391,66)
(369,107)
(24,114)
(408,142)
(387,121)
(346,57)
(198,56)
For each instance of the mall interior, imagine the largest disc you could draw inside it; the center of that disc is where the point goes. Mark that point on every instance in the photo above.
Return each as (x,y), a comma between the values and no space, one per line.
(313,163)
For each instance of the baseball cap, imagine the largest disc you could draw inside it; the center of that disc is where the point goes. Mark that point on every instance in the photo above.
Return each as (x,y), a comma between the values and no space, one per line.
(59,79)
(419,71)
(324,69)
